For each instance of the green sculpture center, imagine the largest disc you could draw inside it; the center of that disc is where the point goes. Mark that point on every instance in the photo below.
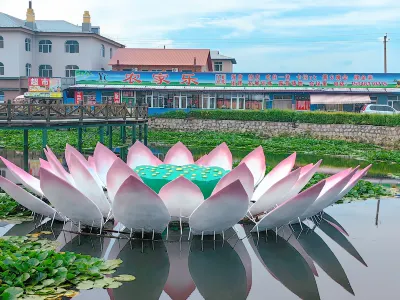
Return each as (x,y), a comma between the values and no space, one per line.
(206,178)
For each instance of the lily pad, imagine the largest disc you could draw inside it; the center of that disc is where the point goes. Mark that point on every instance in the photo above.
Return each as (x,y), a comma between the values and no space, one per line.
(85,285)
(125,278)
(12,293)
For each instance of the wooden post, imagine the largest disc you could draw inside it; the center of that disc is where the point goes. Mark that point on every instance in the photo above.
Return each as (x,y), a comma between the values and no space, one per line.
(141,132)
(133,134)
(146,131)
(101,134)
(110,141)
(26,150)
(9,114)
(80,140)
(44,141)
(123,140)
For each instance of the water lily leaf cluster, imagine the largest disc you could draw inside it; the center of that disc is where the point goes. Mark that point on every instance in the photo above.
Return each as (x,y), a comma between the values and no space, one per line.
(12,212)
(31,269)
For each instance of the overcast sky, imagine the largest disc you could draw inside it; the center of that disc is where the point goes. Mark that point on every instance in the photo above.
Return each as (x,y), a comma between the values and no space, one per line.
(263,35)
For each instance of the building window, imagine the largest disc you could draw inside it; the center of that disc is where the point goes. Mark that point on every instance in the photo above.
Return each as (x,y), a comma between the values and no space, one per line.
(111,53)
(1,97)
(156,70)
(28,45)
(28,68)
(103,51)
(1,68)
(70,70)
(45,46)
(218,66)
(45,71)
(1,42)
(143,70)
(71,47)
(394,101)
(187,71)
(283,97)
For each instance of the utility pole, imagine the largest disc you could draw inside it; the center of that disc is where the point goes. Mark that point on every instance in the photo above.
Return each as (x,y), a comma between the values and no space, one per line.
(385,40)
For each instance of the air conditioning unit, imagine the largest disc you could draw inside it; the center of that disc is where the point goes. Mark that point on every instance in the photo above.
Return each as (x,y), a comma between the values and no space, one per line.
(175,70)
(135,69)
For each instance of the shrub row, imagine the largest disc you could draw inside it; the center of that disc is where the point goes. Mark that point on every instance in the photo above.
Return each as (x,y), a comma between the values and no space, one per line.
(287,116)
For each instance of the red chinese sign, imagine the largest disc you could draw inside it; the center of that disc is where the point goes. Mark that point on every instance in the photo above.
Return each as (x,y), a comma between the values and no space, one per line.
(78,97)
(302,105)
(132,78)
(161,78)
(117,97)
(188,79)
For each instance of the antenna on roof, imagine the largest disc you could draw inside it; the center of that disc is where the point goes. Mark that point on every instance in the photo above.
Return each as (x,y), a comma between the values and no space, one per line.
(30,4)
(164,46)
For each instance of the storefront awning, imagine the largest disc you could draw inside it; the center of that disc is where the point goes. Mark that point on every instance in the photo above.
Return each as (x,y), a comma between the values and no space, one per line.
(339,99)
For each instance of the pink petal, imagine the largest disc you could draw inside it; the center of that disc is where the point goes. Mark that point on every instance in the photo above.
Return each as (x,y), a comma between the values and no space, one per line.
(27,180)
(116,176)
(329,195)
(212,214)
(291,209)
(68,200)
(139,208)
(279,172)
(276,195)
(103,158)
(28,200)
(92,163)
(306,173)
(57,167)
(71,150)
(255,161)
(337,227)
(179,155)
(181,197)
(44,163)
(241,173)
(140,155)
(86,183)
(202,160)
(220,157)
(354,180)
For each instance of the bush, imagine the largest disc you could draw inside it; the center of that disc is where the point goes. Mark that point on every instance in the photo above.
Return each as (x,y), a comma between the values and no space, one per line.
(287,116)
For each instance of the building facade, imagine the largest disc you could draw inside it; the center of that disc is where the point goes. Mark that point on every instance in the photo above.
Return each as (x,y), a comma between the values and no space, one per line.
(34,48)
(163,91)
(171,60)
(222,63)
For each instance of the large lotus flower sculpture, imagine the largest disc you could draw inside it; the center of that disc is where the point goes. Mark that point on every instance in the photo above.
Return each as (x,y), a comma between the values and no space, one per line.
(145,194)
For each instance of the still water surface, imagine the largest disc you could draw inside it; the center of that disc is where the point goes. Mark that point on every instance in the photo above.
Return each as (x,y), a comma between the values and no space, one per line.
(364,265)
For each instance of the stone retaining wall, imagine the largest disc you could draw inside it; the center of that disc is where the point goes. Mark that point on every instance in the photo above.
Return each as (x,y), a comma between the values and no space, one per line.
(379,135)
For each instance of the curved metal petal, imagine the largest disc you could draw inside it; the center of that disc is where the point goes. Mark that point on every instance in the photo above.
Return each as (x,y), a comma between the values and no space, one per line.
(202,160)
(57,167)
(241,173)
(255,161)
(279,172)
(117,175)
(140,155)
(85,182)
(138,207)
(221,157)
(276,195)
(181,197)
(179,155)
(69,201)
(28,200)
(103,158)
(27,180)
(221,211)
(330,195)
(291,209)
(71,150)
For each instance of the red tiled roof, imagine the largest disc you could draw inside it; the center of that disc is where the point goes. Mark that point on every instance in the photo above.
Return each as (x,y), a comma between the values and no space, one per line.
(160,57)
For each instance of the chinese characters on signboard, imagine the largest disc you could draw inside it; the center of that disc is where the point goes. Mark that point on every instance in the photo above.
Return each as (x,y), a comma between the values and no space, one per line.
(311,81)
(42,84)
(117,97)
(78,97)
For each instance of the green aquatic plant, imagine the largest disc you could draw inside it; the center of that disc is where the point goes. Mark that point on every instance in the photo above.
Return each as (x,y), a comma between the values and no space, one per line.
(12,212)
(30,268)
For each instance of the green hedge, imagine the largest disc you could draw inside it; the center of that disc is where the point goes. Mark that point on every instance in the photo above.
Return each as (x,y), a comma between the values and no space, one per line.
(287,116)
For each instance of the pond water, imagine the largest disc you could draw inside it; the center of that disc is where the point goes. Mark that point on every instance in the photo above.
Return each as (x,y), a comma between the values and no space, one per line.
(364,265)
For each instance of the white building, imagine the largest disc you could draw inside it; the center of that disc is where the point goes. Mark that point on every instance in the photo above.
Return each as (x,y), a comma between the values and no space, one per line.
(48,49)
(222,63)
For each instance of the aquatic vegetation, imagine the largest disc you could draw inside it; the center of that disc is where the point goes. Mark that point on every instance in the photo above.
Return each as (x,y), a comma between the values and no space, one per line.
(30,268)
(11,211)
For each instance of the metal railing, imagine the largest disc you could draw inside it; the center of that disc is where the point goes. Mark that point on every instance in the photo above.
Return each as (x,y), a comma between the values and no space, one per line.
(52,112)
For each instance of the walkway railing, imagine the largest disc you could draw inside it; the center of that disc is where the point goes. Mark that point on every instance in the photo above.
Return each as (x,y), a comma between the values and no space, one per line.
(52,112)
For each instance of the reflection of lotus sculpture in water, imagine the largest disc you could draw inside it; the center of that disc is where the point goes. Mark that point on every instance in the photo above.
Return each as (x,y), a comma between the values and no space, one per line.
(145,193)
